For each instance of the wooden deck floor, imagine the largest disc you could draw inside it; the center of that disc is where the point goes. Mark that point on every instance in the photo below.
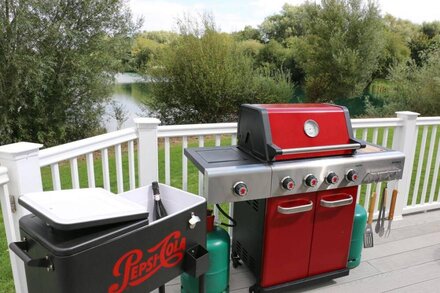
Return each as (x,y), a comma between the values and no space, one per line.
(407,261)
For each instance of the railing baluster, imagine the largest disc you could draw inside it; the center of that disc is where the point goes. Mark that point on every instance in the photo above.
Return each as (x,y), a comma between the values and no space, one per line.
(368,192)
(118,162)
(364,134)
(90,170)
(55,171)
(105,169)
(201,144)
(419,165)
(428,164)
(385,137)
(218,140)
(184,164)
(234,139)
(74,173)
(131,170)
(435,175)
(167,161)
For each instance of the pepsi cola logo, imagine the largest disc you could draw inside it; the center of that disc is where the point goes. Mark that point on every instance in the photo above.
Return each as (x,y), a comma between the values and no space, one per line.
(132,269)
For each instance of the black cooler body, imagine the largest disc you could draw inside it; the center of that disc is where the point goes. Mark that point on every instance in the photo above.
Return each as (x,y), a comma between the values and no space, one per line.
(134,256)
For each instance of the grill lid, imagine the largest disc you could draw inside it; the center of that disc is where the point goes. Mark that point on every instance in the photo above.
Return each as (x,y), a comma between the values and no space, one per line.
(274,132)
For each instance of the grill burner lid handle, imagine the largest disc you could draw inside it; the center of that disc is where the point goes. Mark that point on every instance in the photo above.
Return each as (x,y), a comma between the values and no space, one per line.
(310,180)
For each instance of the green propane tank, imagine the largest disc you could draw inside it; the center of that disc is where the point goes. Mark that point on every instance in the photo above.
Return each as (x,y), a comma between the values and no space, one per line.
(357,237)
(217,276)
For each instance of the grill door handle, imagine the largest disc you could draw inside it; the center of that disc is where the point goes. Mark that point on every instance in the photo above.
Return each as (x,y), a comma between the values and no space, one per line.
(324,148)
(337,203)
(295,210)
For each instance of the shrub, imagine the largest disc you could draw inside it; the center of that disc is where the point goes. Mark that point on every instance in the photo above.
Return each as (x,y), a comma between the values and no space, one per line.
(204,76)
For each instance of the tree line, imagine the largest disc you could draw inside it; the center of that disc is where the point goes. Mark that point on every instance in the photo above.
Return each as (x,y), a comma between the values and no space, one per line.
(58,60)
(333,51)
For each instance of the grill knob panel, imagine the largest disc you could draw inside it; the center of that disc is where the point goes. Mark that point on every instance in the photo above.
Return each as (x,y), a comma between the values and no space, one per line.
(332,178)
(352,175)
(287,183)
(240,188)
(310,180)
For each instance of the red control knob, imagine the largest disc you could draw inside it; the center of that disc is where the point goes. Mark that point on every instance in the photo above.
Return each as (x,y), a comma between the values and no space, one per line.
(310,180)
(352,175)
(332,178)
(240,188)
(287,183)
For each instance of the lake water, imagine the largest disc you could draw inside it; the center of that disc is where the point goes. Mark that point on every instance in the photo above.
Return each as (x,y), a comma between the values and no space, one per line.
(129,91)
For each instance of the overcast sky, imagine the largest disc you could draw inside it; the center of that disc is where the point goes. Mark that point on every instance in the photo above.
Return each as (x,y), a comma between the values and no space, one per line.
(233,15)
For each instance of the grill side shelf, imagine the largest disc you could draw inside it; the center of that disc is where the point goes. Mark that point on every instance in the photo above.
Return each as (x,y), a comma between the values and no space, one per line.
(215,157)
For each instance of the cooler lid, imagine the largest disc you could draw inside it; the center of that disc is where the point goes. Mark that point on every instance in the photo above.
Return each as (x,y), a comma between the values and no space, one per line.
(81,208)
(67,243)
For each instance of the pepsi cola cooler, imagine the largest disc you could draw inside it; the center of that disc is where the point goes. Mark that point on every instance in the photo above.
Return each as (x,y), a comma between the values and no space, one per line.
(89,240)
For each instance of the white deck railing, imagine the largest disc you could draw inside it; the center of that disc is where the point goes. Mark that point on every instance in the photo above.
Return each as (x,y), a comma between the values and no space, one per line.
(122,160)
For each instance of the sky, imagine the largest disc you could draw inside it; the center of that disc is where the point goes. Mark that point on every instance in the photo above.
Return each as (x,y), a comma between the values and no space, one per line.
(233,15)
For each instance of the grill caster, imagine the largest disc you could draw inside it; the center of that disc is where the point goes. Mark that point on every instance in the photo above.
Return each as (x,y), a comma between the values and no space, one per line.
(235,260)
(254,289)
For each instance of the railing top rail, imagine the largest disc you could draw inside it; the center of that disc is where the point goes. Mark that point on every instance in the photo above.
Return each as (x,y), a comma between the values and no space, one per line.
(197,129)
(3,175)
(84,146)
(376,122)
(428,121)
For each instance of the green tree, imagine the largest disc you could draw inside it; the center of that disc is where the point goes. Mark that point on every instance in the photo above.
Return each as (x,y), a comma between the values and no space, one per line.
(290,22)
(413,87)
(57,63)
(204,76)
(340,50)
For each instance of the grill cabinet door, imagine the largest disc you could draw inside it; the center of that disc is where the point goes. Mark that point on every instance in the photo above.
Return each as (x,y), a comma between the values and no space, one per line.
(332,230)
(287,238)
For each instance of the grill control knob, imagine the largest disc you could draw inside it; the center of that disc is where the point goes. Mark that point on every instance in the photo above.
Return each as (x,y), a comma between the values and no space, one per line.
(287,183)
(310,180)
(332,178)
(240,188)
(352,175)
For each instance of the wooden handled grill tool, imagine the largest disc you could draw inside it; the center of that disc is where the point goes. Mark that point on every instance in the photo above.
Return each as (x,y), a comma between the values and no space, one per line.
(391,212)
(368,235)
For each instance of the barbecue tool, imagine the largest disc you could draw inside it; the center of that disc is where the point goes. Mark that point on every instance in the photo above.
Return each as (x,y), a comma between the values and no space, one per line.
(379,217)
(384,207)
(368,235)
(159,212)
(391,212)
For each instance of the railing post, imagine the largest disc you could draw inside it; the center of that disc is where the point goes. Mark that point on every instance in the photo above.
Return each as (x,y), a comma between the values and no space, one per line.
(405,140)
(147,150)
(21,161)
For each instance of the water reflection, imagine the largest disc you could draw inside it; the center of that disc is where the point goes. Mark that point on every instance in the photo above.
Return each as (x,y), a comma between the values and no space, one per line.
(128,94)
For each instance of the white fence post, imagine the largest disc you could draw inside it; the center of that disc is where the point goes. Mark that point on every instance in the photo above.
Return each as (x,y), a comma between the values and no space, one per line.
(405,140)
(147,150)
(21,161)
(8,220)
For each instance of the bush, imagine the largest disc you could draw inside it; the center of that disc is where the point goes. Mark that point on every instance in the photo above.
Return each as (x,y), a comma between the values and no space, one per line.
(413,87)
(204,76)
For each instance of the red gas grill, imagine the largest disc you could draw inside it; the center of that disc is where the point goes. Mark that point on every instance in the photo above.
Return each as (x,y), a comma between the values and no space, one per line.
(294,178)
